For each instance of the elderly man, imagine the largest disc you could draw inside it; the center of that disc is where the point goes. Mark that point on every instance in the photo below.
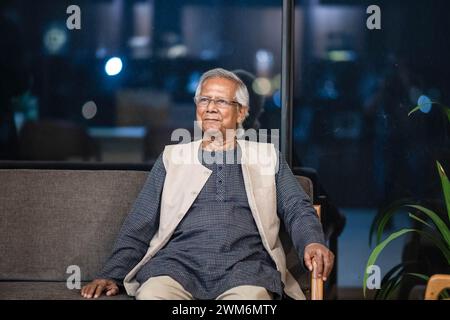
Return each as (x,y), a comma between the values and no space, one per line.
(206,223)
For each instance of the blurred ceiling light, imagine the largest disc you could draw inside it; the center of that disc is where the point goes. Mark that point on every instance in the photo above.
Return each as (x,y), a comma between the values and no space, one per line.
(89,110)
(424,103)
(176,51)
(140,47)
(54,39)
(139,41)
(113,66)
(264,56)
(262,86)
(341,55)
(264,61)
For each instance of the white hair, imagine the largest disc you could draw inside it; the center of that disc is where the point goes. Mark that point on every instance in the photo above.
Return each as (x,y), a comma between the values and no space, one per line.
(241,94)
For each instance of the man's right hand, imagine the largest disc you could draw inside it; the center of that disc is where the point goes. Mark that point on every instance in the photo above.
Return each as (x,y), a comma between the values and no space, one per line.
(95,288)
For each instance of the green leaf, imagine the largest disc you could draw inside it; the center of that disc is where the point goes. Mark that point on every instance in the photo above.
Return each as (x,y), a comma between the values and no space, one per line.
(382,218)
(377,250)
(386,289)
(413,110)
(392,281)
(383,222)
(445,110)
(443,247)
(440,224)
(445,187)
(418,219)
(394,288)
(389,278)
(396,270)
(419,275)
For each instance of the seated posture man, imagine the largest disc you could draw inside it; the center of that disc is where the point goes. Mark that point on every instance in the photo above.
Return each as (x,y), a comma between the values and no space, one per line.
(206,223)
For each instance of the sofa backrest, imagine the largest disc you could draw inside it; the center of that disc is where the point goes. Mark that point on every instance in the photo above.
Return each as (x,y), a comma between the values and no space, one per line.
(51,219)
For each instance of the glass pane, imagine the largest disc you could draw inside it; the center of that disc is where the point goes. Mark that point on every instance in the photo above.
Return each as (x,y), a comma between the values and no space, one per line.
(115,89)
(354,89)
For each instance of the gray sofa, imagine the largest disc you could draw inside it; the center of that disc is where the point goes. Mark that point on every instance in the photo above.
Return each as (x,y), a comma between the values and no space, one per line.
(52,217)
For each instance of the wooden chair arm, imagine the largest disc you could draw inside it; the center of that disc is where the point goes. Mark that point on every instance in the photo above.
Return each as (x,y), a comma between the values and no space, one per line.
(435,285)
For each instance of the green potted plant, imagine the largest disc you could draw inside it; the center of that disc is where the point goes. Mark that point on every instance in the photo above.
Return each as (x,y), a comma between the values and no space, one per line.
(434,226)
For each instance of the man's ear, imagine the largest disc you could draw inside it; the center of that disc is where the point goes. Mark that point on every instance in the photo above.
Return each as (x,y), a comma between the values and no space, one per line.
(242,112)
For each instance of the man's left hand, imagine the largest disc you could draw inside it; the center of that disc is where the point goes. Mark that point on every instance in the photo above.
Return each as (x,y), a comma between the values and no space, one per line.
(321,258)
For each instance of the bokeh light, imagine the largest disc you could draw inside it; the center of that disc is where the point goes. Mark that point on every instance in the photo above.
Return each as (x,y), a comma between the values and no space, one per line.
(262,86)
(113,66)
(89,110)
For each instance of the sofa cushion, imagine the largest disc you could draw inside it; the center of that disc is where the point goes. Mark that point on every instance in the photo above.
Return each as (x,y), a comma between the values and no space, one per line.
(31,290)
(51,219)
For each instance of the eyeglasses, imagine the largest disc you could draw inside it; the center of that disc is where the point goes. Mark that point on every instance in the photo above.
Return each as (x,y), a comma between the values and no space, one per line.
(219,102)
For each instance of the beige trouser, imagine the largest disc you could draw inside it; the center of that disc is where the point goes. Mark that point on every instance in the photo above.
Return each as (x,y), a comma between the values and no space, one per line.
(166,288)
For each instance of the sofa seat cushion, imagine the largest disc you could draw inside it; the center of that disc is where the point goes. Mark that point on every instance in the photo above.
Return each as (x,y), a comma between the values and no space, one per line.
(34,290)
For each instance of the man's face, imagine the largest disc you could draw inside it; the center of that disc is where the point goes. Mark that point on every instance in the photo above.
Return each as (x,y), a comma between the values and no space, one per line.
(219,118)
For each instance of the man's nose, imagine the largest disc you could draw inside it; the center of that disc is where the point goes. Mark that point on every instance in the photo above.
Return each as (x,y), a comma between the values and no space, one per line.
(211,107)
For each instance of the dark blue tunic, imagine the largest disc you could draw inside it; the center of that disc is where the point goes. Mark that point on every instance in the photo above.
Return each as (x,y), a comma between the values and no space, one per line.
(217,245)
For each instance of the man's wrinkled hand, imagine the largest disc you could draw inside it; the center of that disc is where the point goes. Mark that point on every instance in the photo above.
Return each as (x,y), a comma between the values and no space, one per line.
(95,288)
(318,258)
